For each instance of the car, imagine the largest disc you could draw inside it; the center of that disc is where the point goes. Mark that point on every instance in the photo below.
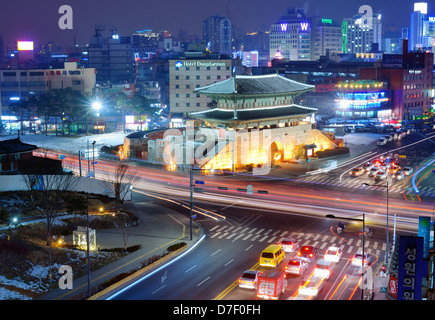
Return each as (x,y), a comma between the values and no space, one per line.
(407,171)
(393,169)
(384,166)
(249,279)
(289,244)
(373,171)
(382,141)
(296,266)
(357,259)
(324,269)
(333,254)
(389,138)
(311,286)
(393,135)
(367,166)
(307,252)
(376,162)
(381,175)
(398,175)
(355,172)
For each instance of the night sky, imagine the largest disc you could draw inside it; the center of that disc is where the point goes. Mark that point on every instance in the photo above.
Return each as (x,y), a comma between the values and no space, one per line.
(37,20)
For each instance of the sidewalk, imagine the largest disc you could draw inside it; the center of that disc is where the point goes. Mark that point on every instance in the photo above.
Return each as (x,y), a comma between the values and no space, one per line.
(158,228)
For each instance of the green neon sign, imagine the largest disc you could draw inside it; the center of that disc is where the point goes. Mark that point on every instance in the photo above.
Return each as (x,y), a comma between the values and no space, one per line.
(327,21)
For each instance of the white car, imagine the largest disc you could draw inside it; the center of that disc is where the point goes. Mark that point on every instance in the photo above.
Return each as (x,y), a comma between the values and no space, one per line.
(324,269)
(311,286)
(289,244)
(398,175)
(296,266)
(368,166)
(381,175)
(373,171)
(382,141)
(333,254)
(407,171)
(357,259)
(249,279)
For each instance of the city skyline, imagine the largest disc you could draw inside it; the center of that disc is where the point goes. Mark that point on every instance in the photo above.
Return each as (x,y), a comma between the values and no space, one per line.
(40,24)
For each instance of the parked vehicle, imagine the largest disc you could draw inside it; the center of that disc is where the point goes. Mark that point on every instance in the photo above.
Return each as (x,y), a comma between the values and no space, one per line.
(271,285)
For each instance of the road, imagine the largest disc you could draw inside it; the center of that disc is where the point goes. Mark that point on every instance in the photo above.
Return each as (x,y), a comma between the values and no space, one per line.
(239,225)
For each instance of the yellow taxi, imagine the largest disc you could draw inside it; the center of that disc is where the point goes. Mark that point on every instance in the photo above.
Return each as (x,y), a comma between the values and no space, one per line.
(272,256)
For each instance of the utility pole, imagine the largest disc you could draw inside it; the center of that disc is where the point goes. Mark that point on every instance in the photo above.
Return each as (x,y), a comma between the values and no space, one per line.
(191,199)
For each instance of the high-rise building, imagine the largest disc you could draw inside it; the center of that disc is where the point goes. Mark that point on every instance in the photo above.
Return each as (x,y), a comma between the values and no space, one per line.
(112,57)
(185,75)
(360,32)
(216,31)
(421,28)
(290,36)
(325,36)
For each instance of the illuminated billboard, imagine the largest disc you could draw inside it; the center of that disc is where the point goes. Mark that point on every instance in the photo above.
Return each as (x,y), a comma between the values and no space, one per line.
(24,45)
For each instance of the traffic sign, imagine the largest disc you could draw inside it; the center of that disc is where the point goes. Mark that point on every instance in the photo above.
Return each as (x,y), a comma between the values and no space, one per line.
(199,182)
(61,156)
(403,156)
(200,190)
(249,189)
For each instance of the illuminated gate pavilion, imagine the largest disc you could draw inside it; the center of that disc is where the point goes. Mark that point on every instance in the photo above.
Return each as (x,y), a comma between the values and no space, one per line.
(258,122)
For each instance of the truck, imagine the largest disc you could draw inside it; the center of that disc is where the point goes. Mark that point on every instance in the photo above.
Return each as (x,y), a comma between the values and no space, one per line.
(271,284)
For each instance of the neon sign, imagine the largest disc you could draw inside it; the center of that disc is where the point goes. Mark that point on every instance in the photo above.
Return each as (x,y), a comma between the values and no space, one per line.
(304,26)
(329,21)
(431,19)
(284,27)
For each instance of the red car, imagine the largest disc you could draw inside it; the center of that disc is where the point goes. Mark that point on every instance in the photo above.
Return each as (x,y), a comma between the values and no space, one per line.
(308,252)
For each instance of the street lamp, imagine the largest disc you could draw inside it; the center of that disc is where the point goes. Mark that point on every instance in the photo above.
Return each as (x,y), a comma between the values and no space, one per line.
(388,246)
(96,105)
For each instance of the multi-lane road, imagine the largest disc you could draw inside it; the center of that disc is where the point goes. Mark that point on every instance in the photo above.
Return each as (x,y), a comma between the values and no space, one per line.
(239,226)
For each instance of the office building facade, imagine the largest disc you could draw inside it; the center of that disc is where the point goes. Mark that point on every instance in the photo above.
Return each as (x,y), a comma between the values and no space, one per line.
(20,84)
(112,58)
(185,75)
(360,33)
(290,36)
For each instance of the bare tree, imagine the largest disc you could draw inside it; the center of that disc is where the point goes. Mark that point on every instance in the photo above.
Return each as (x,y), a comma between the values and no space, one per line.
(121,182)
(53,188)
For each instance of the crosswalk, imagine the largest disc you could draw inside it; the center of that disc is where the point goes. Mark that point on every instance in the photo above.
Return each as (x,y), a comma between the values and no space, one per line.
(319,240)
(356,182)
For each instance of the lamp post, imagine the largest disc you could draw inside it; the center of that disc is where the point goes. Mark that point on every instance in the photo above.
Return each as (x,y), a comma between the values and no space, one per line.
(388,246)
(96,106)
